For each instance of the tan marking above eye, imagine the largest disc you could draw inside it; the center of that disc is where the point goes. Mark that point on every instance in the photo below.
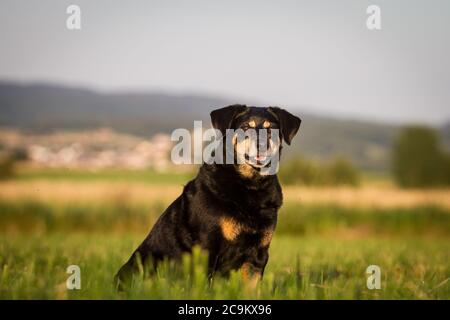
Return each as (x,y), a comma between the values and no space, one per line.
(266,124)
(252,124)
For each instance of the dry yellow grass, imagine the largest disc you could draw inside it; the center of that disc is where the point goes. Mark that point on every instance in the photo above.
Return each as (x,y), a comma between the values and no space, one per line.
(365,196)
(69,191)
(369,196)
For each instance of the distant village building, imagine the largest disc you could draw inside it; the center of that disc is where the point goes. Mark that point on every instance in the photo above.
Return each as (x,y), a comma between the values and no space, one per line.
(95,149)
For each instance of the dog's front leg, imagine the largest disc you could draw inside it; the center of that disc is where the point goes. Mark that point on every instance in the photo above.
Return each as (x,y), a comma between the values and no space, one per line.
(251,274)
(213,260)
(253,269)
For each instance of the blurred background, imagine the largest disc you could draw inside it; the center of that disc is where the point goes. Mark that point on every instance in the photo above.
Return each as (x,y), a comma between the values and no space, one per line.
(86,117)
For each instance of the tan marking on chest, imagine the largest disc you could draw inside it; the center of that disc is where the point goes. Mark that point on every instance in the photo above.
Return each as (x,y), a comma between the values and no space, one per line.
(230,228)
(266,124)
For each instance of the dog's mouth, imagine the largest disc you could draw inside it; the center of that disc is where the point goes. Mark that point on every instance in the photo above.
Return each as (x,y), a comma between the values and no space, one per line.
(257,152)
(259,160)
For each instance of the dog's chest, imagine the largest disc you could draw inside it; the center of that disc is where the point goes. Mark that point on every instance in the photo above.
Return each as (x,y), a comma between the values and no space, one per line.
(238,232)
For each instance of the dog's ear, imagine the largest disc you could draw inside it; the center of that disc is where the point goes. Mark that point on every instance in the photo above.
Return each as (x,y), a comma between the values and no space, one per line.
(221,119)
(289,124)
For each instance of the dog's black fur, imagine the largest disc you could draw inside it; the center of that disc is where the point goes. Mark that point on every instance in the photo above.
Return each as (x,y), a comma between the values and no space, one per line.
(230,210)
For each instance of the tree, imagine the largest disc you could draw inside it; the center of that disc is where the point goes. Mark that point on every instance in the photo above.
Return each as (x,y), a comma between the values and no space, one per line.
(417,160)
(341,172)
(302,171)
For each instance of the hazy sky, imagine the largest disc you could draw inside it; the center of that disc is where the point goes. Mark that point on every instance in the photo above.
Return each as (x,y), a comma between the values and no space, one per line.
(317,55)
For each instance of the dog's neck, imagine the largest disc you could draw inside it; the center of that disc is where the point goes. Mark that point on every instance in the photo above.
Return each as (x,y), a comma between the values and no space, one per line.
(254,194)
(238,175)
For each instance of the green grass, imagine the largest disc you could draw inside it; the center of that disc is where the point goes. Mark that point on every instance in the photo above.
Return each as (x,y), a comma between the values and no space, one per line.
(145,176)
(318,251)
(294,219)
(34,267)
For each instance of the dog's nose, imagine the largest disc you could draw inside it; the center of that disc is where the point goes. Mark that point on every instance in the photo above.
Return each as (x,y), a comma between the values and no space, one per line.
(263,143)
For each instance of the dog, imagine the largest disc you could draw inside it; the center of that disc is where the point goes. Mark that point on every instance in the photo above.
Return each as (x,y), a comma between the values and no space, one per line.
(229,210)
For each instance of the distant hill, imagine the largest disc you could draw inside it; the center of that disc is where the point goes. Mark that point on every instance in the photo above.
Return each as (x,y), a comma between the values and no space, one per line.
(45,108)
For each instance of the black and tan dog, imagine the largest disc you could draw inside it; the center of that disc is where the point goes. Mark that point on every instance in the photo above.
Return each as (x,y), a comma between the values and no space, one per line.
(230,210)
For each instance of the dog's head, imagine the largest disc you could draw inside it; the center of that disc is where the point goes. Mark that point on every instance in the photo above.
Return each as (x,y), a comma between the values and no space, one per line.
(257,133)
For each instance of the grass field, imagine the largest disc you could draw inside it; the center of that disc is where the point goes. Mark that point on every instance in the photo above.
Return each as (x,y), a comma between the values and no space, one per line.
(325,240)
